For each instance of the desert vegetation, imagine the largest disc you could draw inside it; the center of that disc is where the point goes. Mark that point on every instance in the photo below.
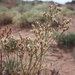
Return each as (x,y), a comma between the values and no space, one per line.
(24,55)
(66,41)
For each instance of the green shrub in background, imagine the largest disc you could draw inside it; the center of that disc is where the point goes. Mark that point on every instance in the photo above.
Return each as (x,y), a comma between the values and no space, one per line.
(15,13)
(6,18)
(71,8)
(71,13)
(22,8)
(25,15)
(29,15)
(67,11)
(3,8)
(19,20)
(33,15)
(18,8)
(41,7)
(27,7)
(66,41)
(8,6)
(27,18)
(17,2)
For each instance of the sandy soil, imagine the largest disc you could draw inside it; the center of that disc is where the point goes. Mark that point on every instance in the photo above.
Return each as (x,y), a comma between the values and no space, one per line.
(61,61)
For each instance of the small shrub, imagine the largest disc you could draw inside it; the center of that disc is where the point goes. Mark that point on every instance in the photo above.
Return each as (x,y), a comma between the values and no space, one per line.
(66,41)
(67,11)
(15,9)
(27,7)
(6,18)
(41,7)
(15,13)
(27,18)
(22,8)
(71,8)
(71,13)
(19,8)
(8,6)
(30,15)
(3,8)
(73,53)
(20,21)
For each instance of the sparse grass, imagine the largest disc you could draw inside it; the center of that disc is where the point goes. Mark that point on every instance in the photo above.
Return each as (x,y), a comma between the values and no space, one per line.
(66,41)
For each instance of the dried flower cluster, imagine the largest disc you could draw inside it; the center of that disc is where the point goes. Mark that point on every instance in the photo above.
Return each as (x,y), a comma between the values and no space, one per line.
(9,44)
(30,52)
(5,33)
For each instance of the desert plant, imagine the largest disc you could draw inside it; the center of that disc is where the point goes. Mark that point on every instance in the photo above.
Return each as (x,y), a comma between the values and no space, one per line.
(30,52)
(71,13)
(10,66)
(27,7)
(27,18)
(3,8)
(22,8)
(15,13)
(41,7)
(6,18)
(73,52)
(20,21)
(30,15)
(8,6)
(67,11)
(15,9)
(6,32)
(9,45)
(35,2)
(17,2)
(71,8)
(67,41)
